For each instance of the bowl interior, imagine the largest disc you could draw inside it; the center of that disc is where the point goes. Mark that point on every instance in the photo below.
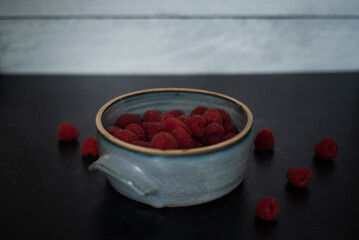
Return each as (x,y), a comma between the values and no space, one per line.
(165,100)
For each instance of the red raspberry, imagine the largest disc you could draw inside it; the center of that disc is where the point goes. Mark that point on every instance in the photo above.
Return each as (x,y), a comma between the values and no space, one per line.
(90,146)
(172,123)
(230,128)
(225,116)
(152,128)
(198,111)
(164,116)
(212,115)
(164,140)
(142,143)
(183,118)
(113,129)
(135,128)
(228,136)
(126,119)
(326,149)
(264,140)
(67,132)
(299,176)
(267,209)
(196,143)
(196,124)
(126,135)
(176,113)
(152,116)
(183,139)
(212,134)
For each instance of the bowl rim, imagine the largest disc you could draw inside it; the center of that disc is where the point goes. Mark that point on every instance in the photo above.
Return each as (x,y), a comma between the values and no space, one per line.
(174,152)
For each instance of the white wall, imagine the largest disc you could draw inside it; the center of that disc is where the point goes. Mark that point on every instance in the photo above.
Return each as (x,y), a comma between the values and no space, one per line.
(178,37)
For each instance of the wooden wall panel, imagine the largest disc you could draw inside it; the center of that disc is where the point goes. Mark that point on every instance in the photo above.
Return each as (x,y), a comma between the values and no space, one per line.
(178,37)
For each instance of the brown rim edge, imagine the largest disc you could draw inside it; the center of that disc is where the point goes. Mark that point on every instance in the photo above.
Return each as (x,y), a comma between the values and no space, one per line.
(177,152)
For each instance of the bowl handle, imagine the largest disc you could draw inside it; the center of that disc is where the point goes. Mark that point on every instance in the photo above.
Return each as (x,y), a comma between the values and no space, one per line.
(125,171)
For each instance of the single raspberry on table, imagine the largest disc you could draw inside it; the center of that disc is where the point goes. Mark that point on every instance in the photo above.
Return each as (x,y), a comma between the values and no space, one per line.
(264,140)
(137,129)
(212,134)
(213,115)
(164,141)
(176,113)
(141,143)
(172,123)
(196,124)
(90,147)
(67,132)
(326,149)
(199,110)
(267,209)
(184,140)
(113,129)
(152,116)
(126,119)
(298,176)
(152,128)
(126,135)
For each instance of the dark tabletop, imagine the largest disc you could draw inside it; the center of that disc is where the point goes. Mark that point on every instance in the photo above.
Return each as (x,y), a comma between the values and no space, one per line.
(47,191)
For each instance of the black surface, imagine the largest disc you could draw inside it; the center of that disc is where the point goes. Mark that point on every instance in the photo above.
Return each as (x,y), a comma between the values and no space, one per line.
(48,193)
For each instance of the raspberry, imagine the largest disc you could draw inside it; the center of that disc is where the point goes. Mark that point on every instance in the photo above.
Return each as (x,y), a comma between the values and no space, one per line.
(183,139)
(204,127)
(264,140)
(176,113)
(196,143)
(126,135)
(225,116)
(326,149)
(113,129)
(267,209)
(212,115)
(172,123)
(164,116)
(228,136)
(230,128)
(183,118)
(135,128)
(90,147)
(299,176)
(126,119)
(67,132)
(212,134)
(164,140)
(142,143)
(198,111)
(152,128)
(196,124)
(152,116)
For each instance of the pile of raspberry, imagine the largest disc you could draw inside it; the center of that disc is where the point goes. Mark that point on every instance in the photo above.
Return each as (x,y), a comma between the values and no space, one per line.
(174,130)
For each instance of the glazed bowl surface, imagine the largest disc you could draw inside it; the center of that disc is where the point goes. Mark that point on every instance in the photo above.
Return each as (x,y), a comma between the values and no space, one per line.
(173,178)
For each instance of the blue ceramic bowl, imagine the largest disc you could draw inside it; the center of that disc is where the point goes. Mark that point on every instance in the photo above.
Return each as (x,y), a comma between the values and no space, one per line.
(173,178)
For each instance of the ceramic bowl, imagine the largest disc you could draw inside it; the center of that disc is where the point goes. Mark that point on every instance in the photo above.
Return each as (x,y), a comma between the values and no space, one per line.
(173,178)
